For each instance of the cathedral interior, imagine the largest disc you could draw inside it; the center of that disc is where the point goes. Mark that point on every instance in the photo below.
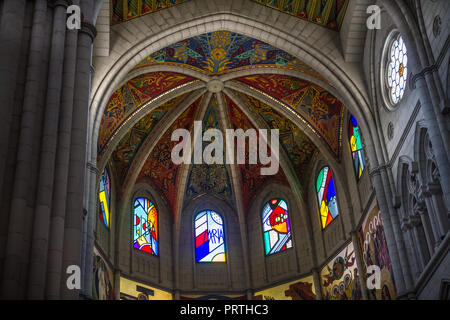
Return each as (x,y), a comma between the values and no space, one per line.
(93,206)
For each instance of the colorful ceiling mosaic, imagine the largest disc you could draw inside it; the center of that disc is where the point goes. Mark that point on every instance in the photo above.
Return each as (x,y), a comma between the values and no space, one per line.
(223,51)
(296,144)
(213,178)
(132,96)
(318,108)
(127,148)
(159,168)
(124,10)
(327,13)
(251,179)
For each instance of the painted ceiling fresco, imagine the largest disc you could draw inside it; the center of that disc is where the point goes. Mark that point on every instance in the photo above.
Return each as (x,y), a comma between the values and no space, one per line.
(159,168)
(124,10)
(223,51)
(217,53)
(296,144)
(321,110)
(214,178)
(249,174)
(132,96)
(327,13)
(127,148)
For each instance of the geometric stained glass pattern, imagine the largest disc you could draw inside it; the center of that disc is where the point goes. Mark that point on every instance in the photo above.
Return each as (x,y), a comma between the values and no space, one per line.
(209,237)
(145,226)
(326,197)
(356,147)
(104,195)
(397,70)
(276,227)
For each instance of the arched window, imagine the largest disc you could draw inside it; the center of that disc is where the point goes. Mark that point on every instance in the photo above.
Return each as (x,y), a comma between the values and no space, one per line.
(104,195)
(145,226)
(396,70)
(356,147)
(209,237)
(326,197)
(276,227)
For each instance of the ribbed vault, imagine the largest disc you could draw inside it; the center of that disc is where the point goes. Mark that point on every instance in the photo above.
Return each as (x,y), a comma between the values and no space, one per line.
(226,81)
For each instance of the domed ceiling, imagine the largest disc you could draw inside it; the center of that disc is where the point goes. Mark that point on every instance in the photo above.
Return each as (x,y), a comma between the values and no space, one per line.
(138,121)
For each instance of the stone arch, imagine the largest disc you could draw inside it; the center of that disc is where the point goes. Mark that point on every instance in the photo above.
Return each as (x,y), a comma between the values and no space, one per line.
(132,262)
(283,265)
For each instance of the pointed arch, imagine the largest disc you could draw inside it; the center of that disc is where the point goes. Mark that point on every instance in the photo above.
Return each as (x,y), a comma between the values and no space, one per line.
(209,237)
(145,226)
(326,197)
(276,226)
(104,195)
(354,137)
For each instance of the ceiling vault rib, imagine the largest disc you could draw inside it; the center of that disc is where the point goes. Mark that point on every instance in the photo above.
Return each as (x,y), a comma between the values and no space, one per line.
(152,139)
(184,173)
(288,169)
(142,112)
(236,186)
(290,114)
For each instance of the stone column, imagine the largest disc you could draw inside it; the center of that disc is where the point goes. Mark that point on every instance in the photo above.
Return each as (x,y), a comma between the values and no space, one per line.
(359,264)
(77,164)
(317,285)
(38,263)
(389,230)
(61,181)
(11,30)
(16,248)
(91,176)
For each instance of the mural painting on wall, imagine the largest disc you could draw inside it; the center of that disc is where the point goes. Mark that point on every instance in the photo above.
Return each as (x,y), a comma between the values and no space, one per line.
(339,278)
(302,289)
(102,280)
(374,249)
(132,290)
(213,297)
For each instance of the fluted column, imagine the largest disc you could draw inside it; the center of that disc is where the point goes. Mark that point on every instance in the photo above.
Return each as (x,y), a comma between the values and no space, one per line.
(39,249)
(389,229)
(11,30)
(58,212)
(16,247)
(77,164)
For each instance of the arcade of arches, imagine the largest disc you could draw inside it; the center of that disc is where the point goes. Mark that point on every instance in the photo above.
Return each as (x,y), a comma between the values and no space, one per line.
(358,209)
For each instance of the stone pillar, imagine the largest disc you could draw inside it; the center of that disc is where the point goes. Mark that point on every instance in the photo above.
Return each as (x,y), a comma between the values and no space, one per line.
(38,263)
(77,164)
(91,176)
(16,247)
(61,181)
(359,264)
(11,31)
(389,229)
(317,285)
(116,284)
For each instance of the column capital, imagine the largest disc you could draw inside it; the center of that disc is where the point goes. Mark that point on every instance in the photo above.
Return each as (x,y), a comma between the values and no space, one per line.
(88,29)
(92,167)
(56,3)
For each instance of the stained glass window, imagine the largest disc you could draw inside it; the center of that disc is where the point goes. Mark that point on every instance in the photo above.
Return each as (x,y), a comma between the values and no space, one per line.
(326,197)
(356,147)
(276,227)
(104,195)
(397,70)
(145,226)
(209,237)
